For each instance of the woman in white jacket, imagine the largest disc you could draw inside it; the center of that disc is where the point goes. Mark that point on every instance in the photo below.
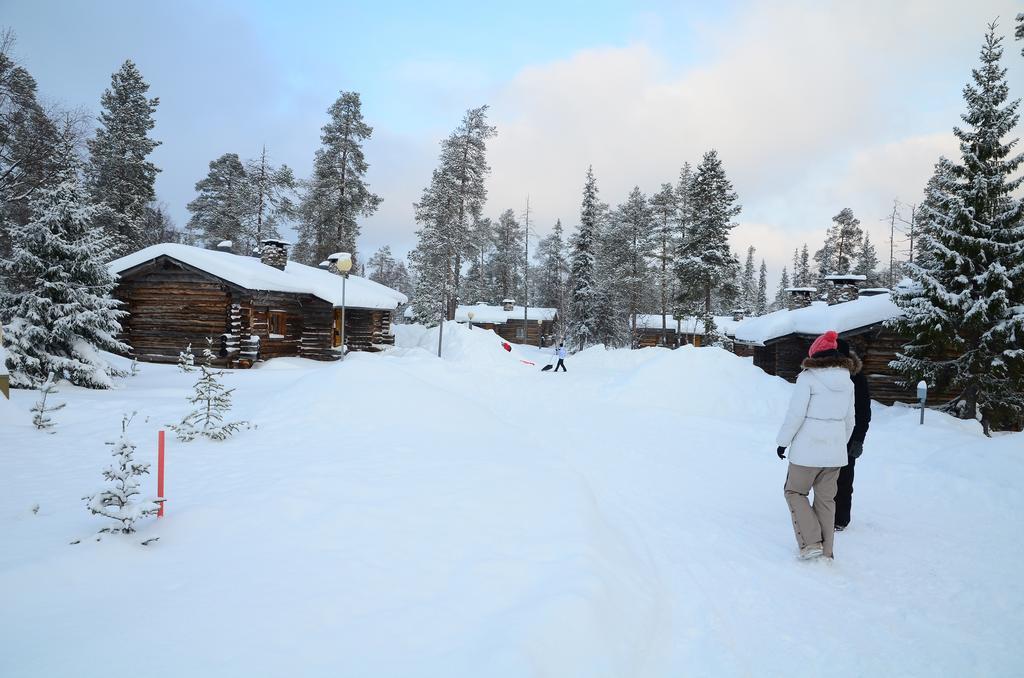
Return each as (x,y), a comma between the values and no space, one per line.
(818,425)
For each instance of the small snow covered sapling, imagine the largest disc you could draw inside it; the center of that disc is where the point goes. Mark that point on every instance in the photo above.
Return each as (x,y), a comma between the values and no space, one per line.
(212,402)
(187,360)
(41,410)
(119,500)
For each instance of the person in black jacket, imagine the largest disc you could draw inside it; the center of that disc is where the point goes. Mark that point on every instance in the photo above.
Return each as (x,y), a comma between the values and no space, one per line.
(862,407)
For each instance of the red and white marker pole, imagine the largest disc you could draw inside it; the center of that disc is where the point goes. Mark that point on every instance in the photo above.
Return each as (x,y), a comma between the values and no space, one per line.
(160,473)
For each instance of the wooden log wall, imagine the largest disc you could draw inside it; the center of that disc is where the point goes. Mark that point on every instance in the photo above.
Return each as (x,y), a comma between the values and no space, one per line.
(876,348)
(534,331)
(262,304)
(170,307)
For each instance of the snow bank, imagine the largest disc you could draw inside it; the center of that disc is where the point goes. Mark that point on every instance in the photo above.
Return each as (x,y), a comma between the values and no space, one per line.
(399,515)
(251,273)
(818,318)
(460,344)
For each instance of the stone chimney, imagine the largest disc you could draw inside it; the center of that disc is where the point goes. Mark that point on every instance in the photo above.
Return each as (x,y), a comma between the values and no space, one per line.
(507,304)
(738,313)
(842,288)
(800,297)
(274,253)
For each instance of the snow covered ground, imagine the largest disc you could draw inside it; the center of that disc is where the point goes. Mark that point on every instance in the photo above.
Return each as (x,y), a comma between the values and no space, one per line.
(401,515)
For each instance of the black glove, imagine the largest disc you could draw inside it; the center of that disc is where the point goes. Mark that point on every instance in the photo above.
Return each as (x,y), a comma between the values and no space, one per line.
(781,451)
(854,448)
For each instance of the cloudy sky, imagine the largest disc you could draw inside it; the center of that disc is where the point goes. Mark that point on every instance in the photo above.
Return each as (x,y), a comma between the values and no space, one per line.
(813,106)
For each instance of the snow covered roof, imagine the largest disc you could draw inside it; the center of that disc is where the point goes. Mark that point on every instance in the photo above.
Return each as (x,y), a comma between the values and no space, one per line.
(852,277)
(486,313)
(251,273)
(689,324)
(818,318)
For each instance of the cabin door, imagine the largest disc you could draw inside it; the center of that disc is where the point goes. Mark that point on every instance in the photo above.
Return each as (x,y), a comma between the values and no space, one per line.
(336,333)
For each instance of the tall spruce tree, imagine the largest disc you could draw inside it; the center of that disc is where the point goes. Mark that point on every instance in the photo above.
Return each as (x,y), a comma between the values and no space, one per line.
(58,307)
(28,138)
(337,194)
(747,289)
(666,235)
(867,261)
(553,272)
(965,314)
(506,260)
(382,267)
(761,296)
(218,212)
(705,263)
(842,243)
(633,243)
(121,178)
(480,284)
(450,206)
(269,193)
(781,295)
(583,300)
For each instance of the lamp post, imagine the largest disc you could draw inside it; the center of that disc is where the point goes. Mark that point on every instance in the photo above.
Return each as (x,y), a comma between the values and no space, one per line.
(471,315)
(922,395)
(342,262)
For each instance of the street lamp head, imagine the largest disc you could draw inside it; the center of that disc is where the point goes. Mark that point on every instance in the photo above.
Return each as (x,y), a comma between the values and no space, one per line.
(471,315)
(342,261)
(922,391)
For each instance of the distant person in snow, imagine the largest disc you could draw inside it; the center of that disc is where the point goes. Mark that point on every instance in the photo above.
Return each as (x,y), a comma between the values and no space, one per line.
(818,425)
(560,352)
(862,405)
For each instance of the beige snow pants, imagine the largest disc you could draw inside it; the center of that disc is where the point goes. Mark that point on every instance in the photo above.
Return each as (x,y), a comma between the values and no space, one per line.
(813,524)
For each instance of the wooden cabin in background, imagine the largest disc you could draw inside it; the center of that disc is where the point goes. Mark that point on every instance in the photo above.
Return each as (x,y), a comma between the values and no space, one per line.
(507,321)
(254,308)
(779,341)
(678,331)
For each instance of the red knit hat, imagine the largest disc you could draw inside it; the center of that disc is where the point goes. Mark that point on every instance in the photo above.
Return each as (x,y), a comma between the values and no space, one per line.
(826,342)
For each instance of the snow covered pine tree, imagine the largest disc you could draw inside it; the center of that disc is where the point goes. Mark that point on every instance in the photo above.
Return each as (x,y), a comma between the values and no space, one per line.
(60,317)
(121,179)
(582,300)
(118,501)
(965,313)
(213,402)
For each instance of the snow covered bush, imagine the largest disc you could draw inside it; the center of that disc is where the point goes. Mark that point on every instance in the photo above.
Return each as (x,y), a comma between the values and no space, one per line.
(119,500)
(58,306)
(41,410)
(212,402)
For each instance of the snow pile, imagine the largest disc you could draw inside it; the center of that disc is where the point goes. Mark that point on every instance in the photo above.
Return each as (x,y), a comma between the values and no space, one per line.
(251,273)
(473,347)
(707,382)
(818,318)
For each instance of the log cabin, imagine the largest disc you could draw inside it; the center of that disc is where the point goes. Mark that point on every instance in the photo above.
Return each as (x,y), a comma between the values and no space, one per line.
(678,331)
(254,308)
(779,341)
(507,321)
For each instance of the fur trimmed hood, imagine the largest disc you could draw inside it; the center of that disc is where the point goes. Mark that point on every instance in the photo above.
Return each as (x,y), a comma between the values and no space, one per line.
(852,363)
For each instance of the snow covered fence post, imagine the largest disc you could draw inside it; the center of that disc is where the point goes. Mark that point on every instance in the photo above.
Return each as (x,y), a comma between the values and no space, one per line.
(922,395)
(160,473)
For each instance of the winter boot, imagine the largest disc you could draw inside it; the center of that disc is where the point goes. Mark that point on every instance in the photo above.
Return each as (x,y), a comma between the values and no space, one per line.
(840,528)
(811,551)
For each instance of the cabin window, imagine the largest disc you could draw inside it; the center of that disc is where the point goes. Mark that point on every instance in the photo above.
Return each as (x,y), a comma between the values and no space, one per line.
(520,333)
(277,322)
